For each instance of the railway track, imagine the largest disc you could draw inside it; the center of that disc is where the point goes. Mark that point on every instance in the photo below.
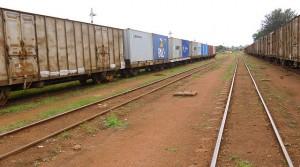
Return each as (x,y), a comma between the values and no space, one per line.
(260,118)
(20,139)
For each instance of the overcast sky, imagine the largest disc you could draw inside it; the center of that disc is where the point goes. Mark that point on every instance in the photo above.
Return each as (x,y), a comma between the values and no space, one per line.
(227,22)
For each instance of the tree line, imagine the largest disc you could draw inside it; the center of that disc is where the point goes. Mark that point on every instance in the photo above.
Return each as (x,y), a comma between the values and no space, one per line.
(274,20)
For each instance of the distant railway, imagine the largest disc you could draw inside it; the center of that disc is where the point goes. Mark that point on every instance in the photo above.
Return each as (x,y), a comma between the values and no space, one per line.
(36,50)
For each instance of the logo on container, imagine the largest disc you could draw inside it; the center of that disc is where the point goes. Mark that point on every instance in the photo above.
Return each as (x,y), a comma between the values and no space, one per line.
(185,49)
(161,50)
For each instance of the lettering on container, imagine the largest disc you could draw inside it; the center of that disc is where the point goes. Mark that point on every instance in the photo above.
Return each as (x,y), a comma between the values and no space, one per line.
(137,36)
(161,50)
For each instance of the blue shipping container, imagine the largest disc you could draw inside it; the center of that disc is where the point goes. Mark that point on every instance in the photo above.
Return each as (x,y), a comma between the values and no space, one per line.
(160,47)
(204,50)
(185,48)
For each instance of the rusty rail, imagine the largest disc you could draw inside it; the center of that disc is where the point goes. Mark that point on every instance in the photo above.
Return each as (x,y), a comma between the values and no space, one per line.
(222,126)
(214,159)
(275,130)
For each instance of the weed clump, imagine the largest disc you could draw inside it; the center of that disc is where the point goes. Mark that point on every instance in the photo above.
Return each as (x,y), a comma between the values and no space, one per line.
(112,121)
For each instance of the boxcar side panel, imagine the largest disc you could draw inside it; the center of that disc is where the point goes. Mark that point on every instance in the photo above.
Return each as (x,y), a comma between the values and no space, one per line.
(295,39)
(62,48)
(116,48)
(42,46)
(3,68)
(86,47)
(111,49)
(52,46)
(79,48)
(71,47)
(121,47)
(92,46)
(298,32)
(105,48)
(99,47)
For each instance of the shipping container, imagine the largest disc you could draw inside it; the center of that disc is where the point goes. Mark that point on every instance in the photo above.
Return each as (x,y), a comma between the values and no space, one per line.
(199,49)
(175,49)
(185,48)
(160,47)
(138,47)
(194,49)
(204,50)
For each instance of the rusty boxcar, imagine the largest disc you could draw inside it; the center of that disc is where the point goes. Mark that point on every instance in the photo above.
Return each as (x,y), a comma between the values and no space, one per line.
(37,49)
(281,45)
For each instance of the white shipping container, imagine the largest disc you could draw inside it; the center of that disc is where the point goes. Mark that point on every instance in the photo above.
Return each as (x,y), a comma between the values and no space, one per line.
(199,49)
(175,49)
(138,46)
(194,49)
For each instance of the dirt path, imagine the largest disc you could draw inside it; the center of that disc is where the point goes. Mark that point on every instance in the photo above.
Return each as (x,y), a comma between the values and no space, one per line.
(282,91)
(162,130)
(248,137)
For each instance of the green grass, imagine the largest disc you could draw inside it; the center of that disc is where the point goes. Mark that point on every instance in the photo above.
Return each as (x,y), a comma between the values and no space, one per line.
(27,106)
(112,121)
(77,104)
(15,125)
(171,149)
(229,72)
(239,162)
(243,163)
(65,135)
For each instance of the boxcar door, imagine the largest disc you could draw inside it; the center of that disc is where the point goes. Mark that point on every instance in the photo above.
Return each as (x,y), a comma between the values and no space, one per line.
(21,45)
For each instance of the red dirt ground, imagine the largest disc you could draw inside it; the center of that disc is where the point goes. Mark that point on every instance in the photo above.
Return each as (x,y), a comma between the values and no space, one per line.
(282,91)
(162,130)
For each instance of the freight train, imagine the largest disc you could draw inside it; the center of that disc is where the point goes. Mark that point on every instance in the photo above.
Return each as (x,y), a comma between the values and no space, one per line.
(281,46)
(36,50)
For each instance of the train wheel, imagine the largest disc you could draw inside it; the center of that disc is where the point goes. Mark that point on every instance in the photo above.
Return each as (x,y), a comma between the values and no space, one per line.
(83,82)
(109,78)
(3,96)
(134,72)
(97,78)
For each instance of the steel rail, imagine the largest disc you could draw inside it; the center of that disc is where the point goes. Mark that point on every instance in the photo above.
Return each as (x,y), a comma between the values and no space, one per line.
(278,137)
(21,148)
(220,134)
(99,101)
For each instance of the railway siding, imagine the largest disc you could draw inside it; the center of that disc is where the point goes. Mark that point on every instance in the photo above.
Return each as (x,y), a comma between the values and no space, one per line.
(280,87)
(250,136)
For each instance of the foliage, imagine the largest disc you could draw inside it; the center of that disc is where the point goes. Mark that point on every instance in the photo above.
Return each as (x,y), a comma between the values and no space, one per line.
(112,121)
(221,48)
(274,20)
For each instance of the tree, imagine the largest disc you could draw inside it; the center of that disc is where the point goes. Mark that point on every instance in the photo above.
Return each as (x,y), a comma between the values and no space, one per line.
(221,48)
(274,20)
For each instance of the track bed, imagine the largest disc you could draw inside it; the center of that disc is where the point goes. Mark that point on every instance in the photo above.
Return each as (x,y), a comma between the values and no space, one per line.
(248,137)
